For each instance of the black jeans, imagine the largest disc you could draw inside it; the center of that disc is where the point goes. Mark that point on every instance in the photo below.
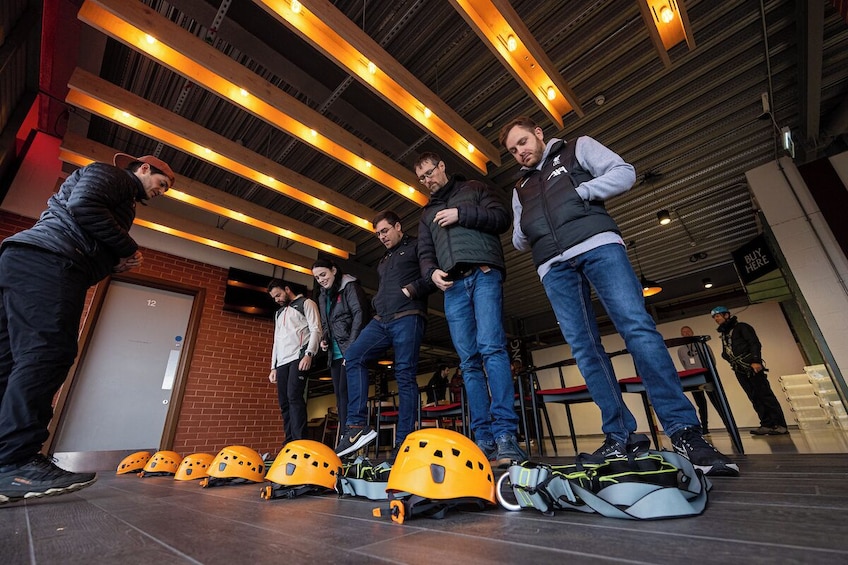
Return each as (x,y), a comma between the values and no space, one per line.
(42,296)
(765,404)
(339,376)
(291,385)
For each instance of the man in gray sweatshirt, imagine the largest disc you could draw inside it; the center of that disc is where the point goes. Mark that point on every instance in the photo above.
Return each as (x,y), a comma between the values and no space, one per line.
(559,215)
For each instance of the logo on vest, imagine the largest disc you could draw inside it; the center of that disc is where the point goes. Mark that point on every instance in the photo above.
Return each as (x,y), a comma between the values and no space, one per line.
(557,172)
(555,162)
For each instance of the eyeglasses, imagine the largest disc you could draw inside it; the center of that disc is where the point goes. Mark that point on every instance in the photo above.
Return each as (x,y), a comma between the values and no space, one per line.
(428,174)
(382,232)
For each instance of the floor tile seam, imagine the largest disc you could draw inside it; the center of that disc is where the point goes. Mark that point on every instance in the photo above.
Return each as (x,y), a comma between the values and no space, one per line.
(150,536)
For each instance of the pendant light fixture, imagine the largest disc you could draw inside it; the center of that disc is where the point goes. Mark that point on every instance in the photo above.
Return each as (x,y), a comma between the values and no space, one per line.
(649,287)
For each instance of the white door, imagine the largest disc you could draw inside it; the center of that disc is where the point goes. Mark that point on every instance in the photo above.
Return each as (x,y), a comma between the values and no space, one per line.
(122,390)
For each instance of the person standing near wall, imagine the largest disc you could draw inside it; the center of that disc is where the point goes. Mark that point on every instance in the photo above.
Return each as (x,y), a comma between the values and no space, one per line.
(45,272)
(344,312)
(689,359)
(742,349)
(559,215)
(297,335)
(461,252)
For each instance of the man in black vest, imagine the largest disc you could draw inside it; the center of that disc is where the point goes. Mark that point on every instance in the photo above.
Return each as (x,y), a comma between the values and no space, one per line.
(559,215)
(461,252)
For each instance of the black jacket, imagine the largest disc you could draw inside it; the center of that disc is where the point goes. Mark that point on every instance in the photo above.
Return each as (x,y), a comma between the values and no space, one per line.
(88,219)
(554,217)
(348,313)
(474,239)
(740,344)
(398,269)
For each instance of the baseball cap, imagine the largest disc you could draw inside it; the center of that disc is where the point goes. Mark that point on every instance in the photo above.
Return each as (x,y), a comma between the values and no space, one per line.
(122,160)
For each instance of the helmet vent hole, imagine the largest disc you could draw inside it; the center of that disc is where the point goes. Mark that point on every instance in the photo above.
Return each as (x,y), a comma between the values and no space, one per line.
(469,464)
(455,452)
(314,464)
(438,453)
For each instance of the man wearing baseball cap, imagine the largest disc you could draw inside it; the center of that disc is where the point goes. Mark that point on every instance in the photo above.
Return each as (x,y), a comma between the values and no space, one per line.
(45,272)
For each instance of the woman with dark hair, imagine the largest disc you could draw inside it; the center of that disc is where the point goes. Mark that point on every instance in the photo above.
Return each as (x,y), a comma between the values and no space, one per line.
(344,312)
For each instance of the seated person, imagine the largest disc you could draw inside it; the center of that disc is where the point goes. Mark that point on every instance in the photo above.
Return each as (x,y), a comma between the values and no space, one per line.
(438,385)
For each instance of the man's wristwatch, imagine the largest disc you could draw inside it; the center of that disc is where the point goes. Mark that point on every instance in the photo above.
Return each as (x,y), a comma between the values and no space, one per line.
(310,354)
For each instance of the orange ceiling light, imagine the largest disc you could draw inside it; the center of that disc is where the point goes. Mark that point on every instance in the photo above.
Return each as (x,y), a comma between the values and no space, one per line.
(141,28)
(668,25)
(162,222)
(89,92)
(500,27)
(79,151)
(322,25)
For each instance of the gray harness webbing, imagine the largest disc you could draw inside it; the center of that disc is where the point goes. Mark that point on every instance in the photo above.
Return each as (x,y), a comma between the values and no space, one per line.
(361,478)
(646,486)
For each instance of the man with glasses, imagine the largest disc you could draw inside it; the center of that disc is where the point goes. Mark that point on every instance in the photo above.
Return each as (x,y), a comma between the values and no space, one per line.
(400,316)
(45,272)
(460,251)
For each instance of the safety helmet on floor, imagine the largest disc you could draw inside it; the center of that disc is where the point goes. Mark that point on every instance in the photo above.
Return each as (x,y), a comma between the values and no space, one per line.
(719,310)
(306,462)
(439,464)
(194,466)
(133,463)
(238,462)
(162,463)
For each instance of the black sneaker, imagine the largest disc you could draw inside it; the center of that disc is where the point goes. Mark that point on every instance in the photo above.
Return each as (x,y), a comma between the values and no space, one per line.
(612,448)
(509,451)
(393,455)
(489,449)
(39,477)
(689,443)
(778,431)
(355,438)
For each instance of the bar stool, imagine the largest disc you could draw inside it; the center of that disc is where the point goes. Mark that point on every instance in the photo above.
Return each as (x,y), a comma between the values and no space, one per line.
(438,412)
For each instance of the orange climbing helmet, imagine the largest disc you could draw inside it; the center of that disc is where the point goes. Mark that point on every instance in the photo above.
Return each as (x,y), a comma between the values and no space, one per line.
(194,466)
(133,463)
(442,464)
(306,462)
(162,463)
(235,462)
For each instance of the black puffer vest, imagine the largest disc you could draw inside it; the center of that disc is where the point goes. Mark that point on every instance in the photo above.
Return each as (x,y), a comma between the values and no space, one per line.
(553,215)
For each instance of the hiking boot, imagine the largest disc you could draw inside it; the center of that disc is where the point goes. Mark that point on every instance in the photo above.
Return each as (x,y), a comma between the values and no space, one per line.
(778,431)
(39,477)
(761,431)
(508,451)
(354,439)
(489,449)
(689,443)
(612,448)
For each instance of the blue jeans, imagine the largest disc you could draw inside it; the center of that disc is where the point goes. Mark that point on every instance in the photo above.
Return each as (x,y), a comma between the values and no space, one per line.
(474,310)
(608,270)
(405,335)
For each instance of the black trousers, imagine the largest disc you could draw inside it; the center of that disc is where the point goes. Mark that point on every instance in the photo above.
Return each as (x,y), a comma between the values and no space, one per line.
(42,296)
(765,404)
(339,376)
(291,385)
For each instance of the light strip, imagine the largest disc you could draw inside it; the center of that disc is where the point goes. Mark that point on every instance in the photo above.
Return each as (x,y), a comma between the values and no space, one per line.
(322,25)
(142,29)
(500,27)
(158,221)
(80,151)
(96,95)
(668,25)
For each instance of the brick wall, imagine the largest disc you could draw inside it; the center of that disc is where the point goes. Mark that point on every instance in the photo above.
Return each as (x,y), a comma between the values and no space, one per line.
(228,399)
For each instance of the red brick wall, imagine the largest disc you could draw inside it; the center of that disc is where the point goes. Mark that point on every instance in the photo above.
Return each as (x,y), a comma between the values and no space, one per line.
(228,399)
